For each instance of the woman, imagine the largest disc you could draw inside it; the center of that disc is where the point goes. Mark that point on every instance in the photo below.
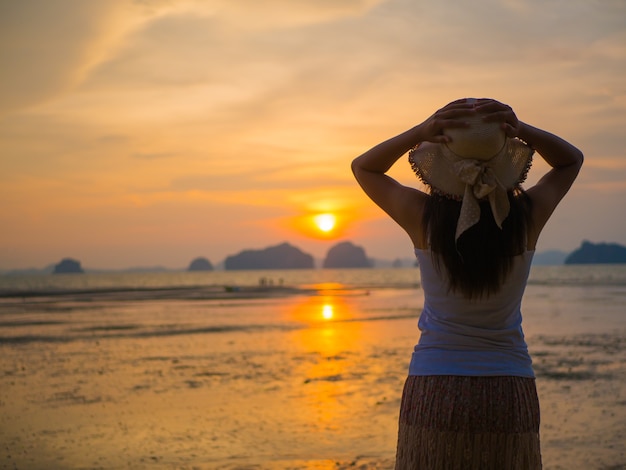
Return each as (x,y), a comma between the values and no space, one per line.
(470,400)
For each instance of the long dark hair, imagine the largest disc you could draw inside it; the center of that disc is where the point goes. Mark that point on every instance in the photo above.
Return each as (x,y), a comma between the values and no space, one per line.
(480,260)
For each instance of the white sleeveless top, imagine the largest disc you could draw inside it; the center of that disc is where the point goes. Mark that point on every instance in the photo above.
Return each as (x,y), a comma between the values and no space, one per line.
(481,337)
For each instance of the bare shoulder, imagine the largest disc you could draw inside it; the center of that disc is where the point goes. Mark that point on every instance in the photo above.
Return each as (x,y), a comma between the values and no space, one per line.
(413,215)
(404,204)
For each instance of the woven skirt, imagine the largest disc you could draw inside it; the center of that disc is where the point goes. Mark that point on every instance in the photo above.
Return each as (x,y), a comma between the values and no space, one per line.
(465,423)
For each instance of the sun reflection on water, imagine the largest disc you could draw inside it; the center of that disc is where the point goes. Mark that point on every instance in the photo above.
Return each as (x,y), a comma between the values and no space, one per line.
(330,364)
(327,312)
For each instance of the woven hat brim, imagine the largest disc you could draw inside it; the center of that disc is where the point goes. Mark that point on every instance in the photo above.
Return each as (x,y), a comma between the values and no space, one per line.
(434,165)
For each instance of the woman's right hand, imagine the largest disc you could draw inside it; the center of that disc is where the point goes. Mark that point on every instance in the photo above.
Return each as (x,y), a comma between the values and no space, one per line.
(450,116)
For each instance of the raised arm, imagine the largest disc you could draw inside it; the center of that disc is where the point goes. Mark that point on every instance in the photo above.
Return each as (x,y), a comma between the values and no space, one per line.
(370,171)
(565,160)
(403,204)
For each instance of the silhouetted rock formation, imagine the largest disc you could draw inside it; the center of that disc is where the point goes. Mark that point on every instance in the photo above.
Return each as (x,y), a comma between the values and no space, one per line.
(67,265)
(346,255)
(200,264)
(597,253)
(283,256)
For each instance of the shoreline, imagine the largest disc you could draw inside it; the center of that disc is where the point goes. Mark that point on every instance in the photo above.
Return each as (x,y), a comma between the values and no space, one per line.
(156,293)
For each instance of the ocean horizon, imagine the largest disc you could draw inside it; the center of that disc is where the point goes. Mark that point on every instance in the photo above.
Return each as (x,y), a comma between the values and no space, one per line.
(551,257)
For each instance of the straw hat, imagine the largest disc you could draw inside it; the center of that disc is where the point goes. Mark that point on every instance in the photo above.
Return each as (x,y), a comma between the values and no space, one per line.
(480,163)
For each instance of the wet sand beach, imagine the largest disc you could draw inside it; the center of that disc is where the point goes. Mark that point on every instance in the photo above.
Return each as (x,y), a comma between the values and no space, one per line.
(278,379)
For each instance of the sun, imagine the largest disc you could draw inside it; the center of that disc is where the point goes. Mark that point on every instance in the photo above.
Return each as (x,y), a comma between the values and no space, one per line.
(325,222)
(321,224)
(327,312)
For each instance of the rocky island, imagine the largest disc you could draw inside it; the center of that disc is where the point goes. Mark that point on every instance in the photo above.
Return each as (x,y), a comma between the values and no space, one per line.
(346,255)
(200,264)
(68,266)
(597,253)
(283,256)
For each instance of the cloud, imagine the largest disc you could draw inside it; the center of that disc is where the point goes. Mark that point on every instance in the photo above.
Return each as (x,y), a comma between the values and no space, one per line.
(154,155)
(302,178)
(272,14)
(47,47)
(43,52)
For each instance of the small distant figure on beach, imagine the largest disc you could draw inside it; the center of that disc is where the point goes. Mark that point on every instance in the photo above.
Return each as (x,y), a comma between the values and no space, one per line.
(269,282)
(470,399)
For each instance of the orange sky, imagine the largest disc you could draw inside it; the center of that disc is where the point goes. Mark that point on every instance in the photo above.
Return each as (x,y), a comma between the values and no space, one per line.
(148,133)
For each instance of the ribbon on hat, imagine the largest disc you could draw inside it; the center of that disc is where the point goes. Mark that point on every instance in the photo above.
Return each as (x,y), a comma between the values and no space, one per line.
(480,182)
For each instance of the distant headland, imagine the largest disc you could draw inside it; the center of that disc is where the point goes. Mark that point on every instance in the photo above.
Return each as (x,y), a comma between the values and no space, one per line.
(283,256)
(342,255)
(597,253)
(200,264)
(68,266)
(347,255)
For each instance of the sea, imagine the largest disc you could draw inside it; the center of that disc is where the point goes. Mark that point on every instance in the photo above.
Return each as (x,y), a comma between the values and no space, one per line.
(276,369)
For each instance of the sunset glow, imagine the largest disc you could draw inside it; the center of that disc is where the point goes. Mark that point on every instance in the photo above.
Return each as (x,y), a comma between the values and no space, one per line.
(149,133)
